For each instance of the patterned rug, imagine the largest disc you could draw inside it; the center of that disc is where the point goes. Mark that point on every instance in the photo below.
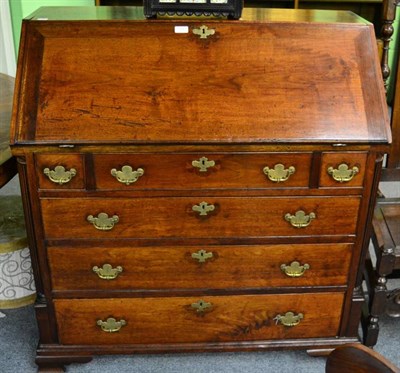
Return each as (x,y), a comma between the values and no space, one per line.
(17,286)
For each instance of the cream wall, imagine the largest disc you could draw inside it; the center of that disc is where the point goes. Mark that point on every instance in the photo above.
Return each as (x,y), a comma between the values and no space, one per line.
(7,56)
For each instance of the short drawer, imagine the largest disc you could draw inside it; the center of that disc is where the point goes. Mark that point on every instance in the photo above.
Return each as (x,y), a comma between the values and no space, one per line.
(201,170)
(192,217)
(60,171)
(343,170)
(213,267)
(191,319)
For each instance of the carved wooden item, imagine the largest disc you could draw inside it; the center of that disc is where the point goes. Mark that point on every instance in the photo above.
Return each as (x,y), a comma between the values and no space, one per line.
(216,8)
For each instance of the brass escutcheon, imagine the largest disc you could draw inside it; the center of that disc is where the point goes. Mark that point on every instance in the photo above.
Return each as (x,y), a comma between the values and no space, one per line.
(201,306)
(59,175)
(107,272)
(203,164)
(279,173)
(343,174)
(300,219)
(202,256)
(294,269)
(203,208)
(103,222)
(203,32)
(127,175)
(289,319)
(111,325)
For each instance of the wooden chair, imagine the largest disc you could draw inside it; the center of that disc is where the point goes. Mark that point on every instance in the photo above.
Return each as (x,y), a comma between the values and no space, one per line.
(386,221)
(356,358)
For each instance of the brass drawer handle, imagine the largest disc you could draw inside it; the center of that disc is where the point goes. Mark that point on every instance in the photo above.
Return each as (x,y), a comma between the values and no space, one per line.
(107,272)
(203,32)
(203,164)
(343,174)
(202,256)
(127,175)
(59,175)
(111,325)
(294,269)
(300,219)
(289,319)
(203,208)
(202,306)
(103,222)
(279,173)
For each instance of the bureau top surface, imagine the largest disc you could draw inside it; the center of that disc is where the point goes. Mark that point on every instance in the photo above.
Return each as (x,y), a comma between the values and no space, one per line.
(129,13)
(108,75)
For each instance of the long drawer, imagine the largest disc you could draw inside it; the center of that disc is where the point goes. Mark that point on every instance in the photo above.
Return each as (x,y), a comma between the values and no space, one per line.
(203,170)
(192,267)
(189,319)
(200,217)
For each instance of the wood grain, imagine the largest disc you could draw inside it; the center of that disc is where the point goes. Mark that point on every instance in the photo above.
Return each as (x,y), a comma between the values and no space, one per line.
(169,87)
(351,159)
(356,358)
(175,171)
(230,267)
(173,320)
(97,90)
(68,161)
(174,217)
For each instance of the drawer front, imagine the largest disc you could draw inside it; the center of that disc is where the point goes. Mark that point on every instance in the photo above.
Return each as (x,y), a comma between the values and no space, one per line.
(218,267)
(201,170)
(60,171)
(343,170)
(190,319)
(193,217)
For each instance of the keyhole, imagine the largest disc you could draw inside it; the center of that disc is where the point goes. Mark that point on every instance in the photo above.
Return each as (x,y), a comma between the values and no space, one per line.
(202,306)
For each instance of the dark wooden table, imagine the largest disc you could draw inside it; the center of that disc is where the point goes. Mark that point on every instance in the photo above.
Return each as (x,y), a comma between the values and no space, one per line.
(8,166)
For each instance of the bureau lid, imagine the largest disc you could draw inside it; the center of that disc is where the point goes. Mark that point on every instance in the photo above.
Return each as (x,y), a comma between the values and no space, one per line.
(275,76)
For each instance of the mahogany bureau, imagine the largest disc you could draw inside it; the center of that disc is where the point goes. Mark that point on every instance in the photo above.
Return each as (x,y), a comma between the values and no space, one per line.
(197,184)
